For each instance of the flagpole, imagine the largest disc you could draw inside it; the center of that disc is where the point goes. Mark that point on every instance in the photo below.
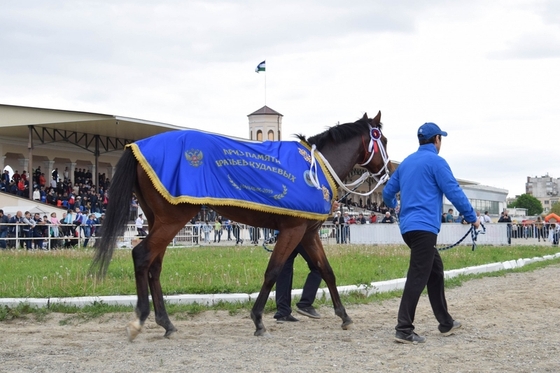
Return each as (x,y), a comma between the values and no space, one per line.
(262,67)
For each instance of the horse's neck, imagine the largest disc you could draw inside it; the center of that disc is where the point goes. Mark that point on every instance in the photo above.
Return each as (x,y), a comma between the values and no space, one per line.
(342,158)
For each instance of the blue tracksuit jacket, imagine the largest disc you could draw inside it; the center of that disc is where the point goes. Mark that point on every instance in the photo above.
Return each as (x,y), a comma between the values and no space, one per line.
(423,178)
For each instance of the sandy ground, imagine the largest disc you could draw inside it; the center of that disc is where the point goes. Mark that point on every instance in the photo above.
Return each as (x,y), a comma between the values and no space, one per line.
(509,324)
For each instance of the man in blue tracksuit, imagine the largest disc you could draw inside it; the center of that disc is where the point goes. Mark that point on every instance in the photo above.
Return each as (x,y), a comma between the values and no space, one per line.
(422,179)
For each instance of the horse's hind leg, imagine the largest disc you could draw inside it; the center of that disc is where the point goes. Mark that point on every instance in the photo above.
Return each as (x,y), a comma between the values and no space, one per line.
(162,319)
(161,234)
(141,259)
(147,268)
(148,259)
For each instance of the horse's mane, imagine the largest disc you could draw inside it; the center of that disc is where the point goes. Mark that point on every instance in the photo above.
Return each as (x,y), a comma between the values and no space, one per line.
(339,133)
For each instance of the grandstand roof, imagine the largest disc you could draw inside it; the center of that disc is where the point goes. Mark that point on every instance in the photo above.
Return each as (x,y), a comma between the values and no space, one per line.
(77,127)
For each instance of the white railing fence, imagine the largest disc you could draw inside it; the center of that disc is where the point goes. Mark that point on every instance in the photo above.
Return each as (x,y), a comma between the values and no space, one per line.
(49,236)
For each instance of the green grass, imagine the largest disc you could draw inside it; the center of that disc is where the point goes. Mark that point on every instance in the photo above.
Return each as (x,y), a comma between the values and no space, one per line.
(201,270)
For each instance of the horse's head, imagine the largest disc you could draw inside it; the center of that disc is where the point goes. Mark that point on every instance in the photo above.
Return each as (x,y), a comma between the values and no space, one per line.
(345,145)
(373,156)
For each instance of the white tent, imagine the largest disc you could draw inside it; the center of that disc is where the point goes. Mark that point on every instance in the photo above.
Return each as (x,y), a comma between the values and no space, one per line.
(11,210)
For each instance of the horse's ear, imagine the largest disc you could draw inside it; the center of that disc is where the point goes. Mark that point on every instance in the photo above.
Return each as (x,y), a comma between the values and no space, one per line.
(377,118)
(365,116)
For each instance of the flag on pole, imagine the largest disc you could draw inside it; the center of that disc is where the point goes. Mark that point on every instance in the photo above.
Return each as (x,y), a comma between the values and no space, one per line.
(261,67)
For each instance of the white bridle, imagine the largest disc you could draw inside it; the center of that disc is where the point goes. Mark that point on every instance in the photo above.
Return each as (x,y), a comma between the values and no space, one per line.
(375,139)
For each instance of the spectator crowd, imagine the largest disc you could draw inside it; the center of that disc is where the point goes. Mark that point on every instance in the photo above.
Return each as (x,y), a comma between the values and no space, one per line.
(83,201)
(58,190)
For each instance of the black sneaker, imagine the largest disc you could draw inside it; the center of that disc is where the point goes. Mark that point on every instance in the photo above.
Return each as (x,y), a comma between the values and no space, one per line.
(456,325)
(412,338)
(309,312)
(284,319)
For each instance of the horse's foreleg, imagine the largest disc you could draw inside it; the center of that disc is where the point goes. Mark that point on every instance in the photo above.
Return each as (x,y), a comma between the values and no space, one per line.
(317,254)
(270,276)
(162,319)
(141,259)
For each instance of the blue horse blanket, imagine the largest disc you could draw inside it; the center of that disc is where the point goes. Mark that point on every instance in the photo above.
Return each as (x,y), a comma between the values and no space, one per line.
(203,168)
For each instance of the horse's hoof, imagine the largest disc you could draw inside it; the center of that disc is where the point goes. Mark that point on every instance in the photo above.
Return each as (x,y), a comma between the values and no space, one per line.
(169,333)
(347,325)
(261,332)
(132,330)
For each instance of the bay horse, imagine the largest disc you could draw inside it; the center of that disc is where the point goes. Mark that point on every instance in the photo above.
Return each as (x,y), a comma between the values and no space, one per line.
(341,147)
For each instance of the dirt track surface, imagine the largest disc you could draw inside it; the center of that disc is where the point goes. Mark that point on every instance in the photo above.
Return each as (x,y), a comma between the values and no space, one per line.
(509,324)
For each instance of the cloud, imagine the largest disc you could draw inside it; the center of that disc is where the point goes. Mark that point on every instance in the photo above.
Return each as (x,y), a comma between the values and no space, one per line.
(531,46)
(550,12)
(531,30)
(191,32)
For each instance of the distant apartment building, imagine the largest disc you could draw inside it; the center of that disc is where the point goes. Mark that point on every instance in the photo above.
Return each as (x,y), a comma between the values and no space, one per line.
(545,189)
(482,197)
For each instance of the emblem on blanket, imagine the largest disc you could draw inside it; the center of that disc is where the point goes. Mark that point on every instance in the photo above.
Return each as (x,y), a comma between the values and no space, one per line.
(202,168)
(194,156)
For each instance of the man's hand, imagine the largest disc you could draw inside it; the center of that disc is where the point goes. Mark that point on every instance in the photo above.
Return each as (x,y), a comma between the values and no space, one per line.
(476,224)
(335,206)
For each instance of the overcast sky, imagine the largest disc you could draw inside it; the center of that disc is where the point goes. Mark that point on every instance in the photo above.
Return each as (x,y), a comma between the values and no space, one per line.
(488,72)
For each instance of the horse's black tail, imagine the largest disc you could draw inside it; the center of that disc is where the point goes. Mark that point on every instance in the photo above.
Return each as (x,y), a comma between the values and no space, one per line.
(117,213)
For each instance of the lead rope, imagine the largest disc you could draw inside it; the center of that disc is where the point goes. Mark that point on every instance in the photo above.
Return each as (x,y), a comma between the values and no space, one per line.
(474,235)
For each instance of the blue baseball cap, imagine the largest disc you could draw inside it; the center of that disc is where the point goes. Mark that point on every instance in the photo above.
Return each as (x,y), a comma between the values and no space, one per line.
(429,130)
